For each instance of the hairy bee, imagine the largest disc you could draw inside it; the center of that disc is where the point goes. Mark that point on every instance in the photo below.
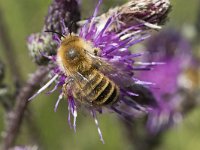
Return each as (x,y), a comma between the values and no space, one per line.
(79,61)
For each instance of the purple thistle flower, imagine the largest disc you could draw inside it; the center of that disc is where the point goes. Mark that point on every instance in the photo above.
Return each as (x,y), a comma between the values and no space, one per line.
(113,48)
(173,51)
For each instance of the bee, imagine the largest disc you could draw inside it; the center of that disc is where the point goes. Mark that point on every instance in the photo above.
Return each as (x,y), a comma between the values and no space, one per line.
(79,61)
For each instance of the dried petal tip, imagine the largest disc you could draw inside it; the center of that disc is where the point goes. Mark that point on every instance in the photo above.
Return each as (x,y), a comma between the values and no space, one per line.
(67,10)
(41,45)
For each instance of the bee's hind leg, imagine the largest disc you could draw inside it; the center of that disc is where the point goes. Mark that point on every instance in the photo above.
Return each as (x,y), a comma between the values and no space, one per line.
(62,94)
(65,88)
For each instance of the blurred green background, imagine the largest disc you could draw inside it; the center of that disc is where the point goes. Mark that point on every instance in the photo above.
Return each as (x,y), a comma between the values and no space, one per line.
(23,17)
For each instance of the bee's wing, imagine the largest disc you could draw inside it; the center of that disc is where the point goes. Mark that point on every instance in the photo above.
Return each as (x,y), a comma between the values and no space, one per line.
(83,87)
(114,71)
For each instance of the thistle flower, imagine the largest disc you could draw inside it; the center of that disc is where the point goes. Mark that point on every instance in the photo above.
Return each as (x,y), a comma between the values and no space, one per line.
(40,44)
(149,14)
(66,10)
(113,49)
(170,48)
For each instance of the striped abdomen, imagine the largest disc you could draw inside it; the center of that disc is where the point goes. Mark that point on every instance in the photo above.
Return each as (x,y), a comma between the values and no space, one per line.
(96,89)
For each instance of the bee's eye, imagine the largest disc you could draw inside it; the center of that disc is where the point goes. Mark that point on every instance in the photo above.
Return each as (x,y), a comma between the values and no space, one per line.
(72,53)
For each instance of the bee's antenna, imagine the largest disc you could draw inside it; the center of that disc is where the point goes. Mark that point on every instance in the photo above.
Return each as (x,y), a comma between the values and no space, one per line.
(71,27)
(55,32)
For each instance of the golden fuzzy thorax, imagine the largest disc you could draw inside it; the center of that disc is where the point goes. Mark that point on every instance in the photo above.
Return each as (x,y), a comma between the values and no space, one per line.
(81,62)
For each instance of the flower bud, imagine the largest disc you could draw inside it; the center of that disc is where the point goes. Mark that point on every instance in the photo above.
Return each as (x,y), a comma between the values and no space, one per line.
(40,45)
(62,10)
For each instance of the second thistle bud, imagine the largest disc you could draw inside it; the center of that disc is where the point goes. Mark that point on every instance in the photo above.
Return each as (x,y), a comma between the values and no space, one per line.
(40,44)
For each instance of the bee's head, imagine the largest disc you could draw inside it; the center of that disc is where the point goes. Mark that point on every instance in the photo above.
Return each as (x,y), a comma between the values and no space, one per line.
(74,55)
(71,53)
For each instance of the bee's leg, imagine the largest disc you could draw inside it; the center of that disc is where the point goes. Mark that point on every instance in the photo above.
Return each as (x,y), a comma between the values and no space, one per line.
(96,51)
(62,94)
(65,88)
(72,109)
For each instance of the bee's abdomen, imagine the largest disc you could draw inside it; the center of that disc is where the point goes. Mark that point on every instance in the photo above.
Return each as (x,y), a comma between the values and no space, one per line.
(100,90)
(108,95)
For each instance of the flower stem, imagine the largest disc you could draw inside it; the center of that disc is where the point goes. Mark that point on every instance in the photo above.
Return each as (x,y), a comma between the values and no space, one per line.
(15,117)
